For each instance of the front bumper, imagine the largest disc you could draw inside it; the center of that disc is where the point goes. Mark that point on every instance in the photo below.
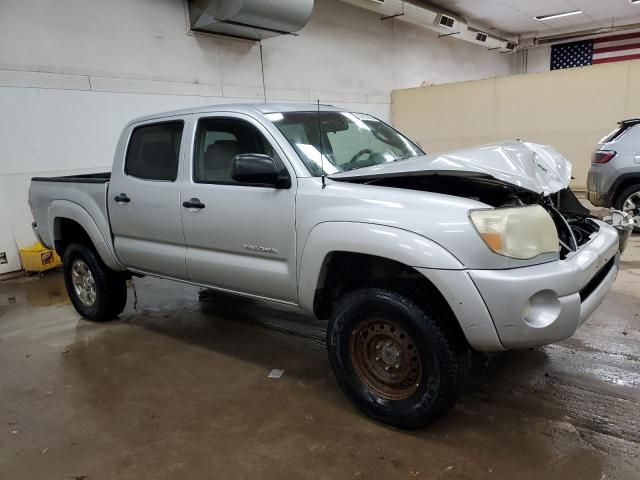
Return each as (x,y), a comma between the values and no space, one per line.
(624,224)
(542,304)
(530,306)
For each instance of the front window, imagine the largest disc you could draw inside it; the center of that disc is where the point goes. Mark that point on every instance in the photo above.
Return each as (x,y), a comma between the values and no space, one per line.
(342,141)
(218,141)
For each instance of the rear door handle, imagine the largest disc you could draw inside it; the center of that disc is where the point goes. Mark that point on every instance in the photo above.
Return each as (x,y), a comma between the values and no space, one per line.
(122,198)
(194,204)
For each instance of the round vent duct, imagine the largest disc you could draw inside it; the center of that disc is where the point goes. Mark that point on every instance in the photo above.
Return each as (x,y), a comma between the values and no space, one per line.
(251,19)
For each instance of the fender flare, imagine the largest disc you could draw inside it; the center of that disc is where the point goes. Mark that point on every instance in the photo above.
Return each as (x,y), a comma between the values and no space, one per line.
(390,243)
(59,209)
(616,187)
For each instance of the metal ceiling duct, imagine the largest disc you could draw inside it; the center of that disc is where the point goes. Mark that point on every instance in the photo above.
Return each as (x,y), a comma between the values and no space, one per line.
(443,23)
(250,19)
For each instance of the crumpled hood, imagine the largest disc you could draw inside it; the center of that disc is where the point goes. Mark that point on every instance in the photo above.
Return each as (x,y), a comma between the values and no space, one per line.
(538,168)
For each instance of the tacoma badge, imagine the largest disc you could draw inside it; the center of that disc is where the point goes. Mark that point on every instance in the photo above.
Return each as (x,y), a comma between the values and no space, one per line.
(259,248)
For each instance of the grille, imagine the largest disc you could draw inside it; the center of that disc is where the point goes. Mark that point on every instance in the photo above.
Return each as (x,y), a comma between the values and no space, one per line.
(597,279)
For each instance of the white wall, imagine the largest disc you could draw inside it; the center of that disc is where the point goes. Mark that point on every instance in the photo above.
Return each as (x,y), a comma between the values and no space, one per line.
(72,72)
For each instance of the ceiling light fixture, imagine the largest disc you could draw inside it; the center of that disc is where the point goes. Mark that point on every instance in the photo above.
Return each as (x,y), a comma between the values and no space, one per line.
(634,1)
(542,18)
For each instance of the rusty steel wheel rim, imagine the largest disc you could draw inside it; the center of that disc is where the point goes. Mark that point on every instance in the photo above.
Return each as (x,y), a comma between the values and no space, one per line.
(386,359)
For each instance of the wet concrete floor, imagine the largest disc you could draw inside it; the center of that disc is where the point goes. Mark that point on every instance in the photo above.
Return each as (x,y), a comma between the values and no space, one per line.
(178,388)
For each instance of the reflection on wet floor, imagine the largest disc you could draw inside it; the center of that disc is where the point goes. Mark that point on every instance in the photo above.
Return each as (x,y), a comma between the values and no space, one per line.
(178,388)
(630,265)
(50,290)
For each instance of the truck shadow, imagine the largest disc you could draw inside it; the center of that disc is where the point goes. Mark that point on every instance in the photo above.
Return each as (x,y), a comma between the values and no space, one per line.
(218,321)
(262,333)
(515,398)
(277,336)
(183,359)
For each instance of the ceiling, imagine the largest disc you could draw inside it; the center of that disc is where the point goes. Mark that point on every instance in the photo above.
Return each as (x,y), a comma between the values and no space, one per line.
(516,16)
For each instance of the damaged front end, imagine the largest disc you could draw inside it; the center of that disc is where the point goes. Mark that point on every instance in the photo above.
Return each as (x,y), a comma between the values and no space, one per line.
(509,174)
(576,225)
(624,224)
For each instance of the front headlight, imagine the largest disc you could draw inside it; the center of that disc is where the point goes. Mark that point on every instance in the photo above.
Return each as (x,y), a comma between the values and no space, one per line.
(520,232)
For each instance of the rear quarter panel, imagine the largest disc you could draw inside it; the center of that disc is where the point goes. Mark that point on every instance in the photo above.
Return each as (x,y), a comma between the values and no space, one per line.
(85,203)
(606,177)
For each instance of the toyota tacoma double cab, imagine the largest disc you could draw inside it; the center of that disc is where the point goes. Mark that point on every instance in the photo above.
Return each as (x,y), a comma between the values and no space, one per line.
(415,260)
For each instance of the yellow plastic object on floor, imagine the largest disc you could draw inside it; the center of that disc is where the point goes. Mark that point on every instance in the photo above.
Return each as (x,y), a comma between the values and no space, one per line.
(39,258)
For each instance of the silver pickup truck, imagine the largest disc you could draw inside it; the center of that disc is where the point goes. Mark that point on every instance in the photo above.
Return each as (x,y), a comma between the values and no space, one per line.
(415,260)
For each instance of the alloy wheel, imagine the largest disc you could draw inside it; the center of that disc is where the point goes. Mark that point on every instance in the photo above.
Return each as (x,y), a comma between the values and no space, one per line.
(83,282)
(632,206)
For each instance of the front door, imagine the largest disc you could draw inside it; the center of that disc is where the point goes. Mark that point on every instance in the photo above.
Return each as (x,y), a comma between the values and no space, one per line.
(239,237)
(144,200)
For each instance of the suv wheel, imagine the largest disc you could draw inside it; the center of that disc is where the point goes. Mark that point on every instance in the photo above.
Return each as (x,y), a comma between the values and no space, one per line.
(393,359)
(629,201)
(97,292)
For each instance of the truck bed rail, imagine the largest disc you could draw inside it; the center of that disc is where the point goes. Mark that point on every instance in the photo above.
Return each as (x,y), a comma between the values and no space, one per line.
(103,177)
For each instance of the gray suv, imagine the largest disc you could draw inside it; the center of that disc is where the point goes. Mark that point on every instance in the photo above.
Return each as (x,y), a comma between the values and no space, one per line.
(614,176)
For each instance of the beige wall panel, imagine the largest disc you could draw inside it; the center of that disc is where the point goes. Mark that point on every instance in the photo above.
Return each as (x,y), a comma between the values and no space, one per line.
(562,101)
(633,90)
(568,109)
(439,145)
(435,116)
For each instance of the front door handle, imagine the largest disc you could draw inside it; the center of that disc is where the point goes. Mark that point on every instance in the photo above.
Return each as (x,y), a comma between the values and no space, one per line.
(194,204)
(122,198)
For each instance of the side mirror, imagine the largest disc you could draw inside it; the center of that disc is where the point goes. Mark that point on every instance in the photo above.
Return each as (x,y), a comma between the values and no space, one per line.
(258,169)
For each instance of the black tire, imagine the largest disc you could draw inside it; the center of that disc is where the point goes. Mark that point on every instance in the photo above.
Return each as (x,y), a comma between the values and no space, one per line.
(110,286)
(443,357)
(622,197)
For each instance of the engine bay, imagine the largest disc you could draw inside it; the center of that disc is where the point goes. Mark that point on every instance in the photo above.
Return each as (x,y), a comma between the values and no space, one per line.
(574,222)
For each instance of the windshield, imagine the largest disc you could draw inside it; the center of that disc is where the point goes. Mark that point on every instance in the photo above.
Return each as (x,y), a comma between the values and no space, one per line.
(349,140)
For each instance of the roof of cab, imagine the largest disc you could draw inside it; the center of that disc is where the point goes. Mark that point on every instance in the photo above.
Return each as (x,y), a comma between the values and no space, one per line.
(248,108)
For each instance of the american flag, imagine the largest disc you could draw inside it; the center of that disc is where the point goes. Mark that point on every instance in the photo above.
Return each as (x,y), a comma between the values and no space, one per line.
(605,49)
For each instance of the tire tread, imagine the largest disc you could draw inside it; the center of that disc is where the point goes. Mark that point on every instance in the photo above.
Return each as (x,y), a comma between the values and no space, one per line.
(110,285)
(452,352)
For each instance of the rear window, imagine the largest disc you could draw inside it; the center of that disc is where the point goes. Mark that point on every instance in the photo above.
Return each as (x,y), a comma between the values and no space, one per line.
(154,151)
(618,132)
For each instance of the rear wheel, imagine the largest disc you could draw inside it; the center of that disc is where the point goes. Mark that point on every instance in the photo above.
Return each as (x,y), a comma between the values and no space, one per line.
(629,201)
(97,292)
(393,358)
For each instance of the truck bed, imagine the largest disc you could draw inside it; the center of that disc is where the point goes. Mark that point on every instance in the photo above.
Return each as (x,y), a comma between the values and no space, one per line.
(81,198)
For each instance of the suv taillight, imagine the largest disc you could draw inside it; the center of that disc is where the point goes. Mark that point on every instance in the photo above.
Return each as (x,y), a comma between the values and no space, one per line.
(602,156)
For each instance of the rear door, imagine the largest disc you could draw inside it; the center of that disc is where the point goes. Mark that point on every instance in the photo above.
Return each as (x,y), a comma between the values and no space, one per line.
(243,237)
(144,198)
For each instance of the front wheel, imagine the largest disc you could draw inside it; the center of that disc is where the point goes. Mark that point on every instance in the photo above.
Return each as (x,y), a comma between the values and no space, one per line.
(394,359)
(97,292)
